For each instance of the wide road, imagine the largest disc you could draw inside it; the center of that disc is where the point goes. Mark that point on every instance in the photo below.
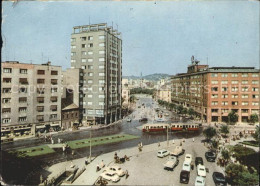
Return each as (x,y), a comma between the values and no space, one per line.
(144,108)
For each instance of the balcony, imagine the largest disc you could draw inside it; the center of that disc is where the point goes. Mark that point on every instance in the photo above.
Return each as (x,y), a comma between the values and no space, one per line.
(40,99)
(23,100)
(54,99)
(40,109)
(23,81)
(54,81)
(53,108)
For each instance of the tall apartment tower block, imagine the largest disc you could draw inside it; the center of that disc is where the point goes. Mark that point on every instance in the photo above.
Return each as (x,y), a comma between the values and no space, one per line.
(97,50)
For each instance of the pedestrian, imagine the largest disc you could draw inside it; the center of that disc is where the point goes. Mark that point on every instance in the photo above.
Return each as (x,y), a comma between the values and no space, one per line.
(102,164)
(126,174)
(97,168)
(72,152)
(193,139)
(159,144)
(41,179)
(173,141)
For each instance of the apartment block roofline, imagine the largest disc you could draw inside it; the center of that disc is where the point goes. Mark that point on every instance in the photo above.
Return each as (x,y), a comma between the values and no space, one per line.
(17,62)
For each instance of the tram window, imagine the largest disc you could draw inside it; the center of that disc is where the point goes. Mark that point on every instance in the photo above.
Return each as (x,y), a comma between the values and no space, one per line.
(178,126)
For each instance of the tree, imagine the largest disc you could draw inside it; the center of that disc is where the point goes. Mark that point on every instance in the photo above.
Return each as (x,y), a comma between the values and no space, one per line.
(191,111)
(253,118)
(225,155)
(224,129)
(232,117)
(132,99)
(209,133)
(256,135)
(238,175)
(214,144)
(179,108)
(242,153)
(184,111)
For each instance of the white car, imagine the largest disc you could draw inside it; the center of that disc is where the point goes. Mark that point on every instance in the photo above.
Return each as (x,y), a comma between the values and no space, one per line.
(201,170)
(128,120)
(186,166)
(188,158)
(162,153)
(110,176)
(115,169)
(200,181)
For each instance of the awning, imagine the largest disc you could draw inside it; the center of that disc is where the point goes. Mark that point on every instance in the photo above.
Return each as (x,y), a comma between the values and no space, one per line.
(55,125)
(40,126)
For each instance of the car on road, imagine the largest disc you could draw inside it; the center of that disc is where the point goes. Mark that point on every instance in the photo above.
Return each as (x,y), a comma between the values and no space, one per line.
(188,158)
(177,151)
(210,156)
(200,181)
(160,120)
(166,114)
(128,120)
(198,161)
(219,178)
(139,106)
(171,163)
(115,169)
(162,153)
(184,176)
(201,170)
(110,176)
(143,119)
(186,166)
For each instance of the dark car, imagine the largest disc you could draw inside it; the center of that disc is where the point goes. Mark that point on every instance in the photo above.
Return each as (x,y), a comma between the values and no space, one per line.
(143,119)
(219,178)
(184,177)
(210,156)
(198,160)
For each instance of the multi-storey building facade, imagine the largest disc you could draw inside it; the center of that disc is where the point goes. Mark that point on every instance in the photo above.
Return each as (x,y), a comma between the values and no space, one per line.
(97,50)
(125,93)
(30,96)
(215,92)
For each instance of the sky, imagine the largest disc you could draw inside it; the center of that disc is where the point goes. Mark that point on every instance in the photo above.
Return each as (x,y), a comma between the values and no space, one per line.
(158,37)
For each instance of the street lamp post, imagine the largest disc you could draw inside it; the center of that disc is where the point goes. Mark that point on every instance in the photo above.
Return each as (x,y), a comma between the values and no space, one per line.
(90,144)
(167,136)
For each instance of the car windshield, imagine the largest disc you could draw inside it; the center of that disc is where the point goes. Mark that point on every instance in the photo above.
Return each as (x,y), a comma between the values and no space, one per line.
(186,165)
(201,169)
(198,181)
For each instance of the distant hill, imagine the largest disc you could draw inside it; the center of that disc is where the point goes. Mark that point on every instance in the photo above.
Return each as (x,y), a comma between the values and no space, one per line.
(151,77)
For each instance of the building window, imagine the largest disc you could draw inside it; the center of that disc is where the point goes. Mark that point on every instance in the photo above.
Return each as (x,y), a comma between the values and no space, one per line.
(83,46)
(22,90)
(214,75)
(90,81)
(54,99)
(224,96)
(41,72)
(234,75)
(244,89)
(90,60)
(214,110)
(22,99)
(90,45)
(54,72)
(224,75)
(244,110)
(53,116)
(54,81)
(214,96)
(255,82)
(22,109)
(90,38)
(244,82)
(40,99)
(22,119)
(7,70)
(90,52)
(255,75)
(73,40)
(101,103)
(23,71)
(83,60)
(214,89)
(83,67)
(40,117)
(101,44)
(224,89)
(254,89)
(101,66)
(234,96)
(90,67)
(54,90)
(101,96)
(101,74)
(6,120)
(224,103)
(90,96)
(53,108)
(234,89)
(90,74)
(101,37)
(83,38)
(244,75)
(101,59)
(224,82)
(101,52)
(244,103)
(84,53)
(255,103)
(214,103)
(40,81)
(101,81)
(255,96)
(234,103)
(90,112)
(89,103)
(234,82)
(40,90)
(244,96)
(6,110)
(40,108)
(7,80)
(73,53)
(73,61)
(6,90)
(73,46)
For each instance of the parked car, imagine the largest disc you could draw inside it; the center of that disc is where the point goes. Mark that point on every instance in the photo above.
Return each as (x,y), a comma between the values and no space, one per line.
(162,153)
(210,156)
(116,169)
(171,163)
(201,170)
(219,178)
(178,151)
(110,176)
(188,158)
(143,119)
(198,161)
(184,177)
(200,181)
(139,106)
(128,120)
(166,114)
(186,166)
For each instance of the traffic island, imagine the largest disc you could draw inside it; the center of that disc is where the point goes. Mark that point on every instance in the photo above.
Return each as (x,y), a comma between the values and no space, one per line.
(100,140)
(35,151)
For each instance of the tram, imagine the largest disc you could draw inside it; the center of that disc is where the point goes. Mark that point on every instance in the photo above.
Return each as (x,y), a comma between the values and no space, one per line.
(162,127)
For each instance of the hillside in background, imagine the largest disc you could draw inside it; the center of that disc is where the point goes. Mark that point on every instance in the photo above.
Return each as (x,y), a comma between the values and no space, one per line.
(151,77)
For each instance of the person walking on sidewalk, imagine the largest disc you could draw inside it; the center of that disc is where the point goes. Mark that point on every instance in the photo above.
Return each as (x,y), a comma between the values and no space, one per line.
(159,144)
(126,174)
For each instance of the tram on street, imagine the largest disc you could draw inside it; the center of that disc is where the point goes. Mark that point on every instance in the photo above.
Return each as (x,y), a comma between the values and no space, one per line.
(162,127)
